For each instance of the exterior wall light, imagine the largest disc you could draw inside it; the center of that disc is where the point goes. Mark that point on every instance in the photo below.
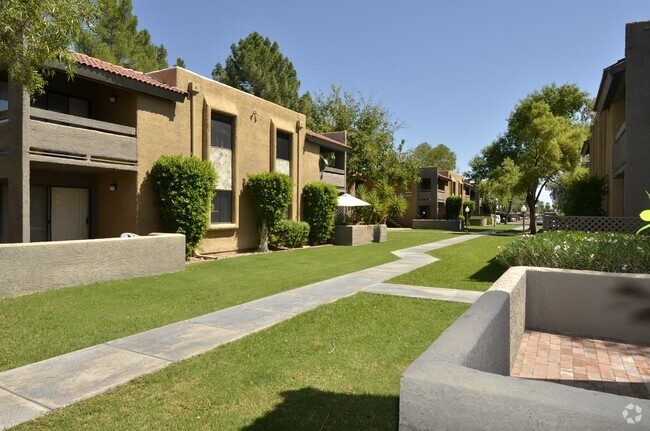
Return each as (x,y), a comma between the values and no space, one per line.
(112,187)
(113,98)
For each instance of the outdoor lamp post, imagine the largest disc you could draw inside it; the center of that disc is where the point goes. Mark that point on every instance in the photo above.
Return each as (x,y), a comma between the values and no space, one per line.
(523,219)
(466,217)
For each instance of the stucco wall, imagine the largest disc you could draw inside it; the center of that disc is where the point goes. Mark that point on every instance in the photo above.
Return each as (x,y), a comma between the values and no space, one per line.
(462,381)
(36,267)
(456,225)
(256,122)
(359,234)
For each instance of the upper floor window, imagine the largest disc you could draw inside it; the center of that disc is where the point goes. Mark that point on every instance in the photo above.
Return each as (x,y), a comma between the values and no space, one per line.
(425,184)
(221,133)
(63,104)
(283,146)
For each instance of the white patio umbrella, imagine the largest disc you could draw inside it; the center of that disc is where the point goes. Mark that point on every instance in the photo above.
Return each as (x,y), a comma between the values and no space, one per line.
(347,200)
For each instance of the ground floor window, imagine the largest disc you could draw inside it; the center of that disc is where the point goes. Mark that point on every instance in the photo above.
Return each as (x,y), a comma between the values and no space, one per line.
(222,207)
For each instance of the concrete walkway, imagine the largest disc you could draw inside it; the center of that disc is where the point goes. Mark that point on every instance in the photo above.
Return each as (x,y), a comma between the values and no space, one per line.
(36,389)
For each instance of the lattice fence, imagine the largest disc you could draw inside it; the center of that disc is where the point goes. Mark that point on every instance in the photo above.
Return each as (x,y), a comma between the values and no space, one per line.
(593,224)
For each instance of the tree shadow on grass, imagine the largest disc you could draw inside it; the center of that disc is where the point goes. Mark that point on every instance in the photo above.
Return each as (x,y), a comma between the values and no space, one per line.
(490,272)
(312,409)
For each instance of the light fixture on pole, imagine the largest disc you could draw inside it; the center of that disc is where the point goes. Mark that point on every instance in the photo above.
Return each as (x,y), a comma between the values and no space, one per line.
(523,219)
(466,216)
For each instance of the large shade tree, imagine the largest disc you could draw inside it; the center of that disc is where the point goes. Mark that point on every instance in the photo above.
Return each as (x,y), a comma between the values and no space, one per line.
(34,34)
(256,65)
(114,37)
(544,136)
(440,156)
(374,154)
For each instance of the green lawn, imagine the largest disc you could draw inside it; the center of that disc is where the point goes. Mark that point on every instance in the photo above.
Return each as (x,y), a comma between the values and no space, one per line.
(41,326)
(336,367)
(469,265)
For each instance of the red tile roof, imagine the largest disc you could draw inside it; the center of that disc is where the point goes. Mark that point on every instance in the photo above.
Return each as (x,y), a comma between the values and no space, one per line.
(105,66)
(326,138)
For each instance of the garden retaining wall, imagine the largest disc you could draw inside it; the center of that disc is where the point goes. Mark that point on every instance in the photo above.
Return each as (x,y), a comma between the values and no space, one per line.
(40,266)
(463,380)
(359,234)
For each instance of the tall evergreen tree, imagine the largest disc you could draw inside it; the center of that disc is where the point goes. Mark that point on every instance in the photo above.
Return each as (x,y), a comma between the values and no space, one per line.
(114,37)
(257,66)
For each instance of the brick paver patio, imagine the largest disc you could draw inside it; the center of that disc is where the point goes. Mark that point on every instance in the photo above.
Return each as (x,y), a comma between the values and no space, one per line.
(599,365)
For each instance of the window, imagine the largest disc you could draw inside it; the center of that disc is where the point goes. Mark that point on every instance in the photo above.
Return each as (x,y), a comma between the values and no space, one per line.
(222,204)
(63,104)
(283,146)
(4,95)
(425,184)
(221,134)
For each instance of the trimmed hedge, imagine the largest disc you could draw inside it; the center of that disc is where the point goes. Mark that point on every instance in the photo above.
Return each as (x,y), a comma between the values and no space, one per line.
(290,234)
(471,206)
(453,207)
(609,252)
(271,192)
(184,187)
(319,204)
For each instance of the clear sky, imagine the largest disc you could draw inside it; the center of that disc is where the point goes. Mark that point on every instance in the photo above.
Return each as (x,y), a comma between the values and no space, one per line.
(450,71)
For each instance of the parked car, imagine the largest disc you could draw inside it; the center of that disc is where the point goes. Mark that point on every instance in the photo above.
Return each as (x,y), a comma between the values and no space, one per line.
(512,217)
(497,218)
(539,220)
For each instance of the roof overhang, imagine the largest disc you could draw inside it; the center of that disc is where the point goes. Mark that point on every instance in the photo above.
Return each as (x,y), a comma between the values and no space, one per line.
(326,142)
(612,78)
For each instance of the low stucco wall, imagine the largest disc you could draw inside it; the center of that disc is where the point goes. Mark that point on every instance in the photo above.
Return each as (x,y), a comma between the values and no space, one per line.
(359,234)
(462,381)
(37,267)
(456,225)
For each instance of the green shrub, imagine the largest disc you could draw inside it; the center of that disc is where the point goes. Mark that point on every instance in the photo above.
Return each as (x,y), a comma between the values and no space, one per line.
(290,234)
(584,196)
(487,207)
(384,202)
(471,206)
(319,204)
(184,188)
(453,206)
(609,252)
(271,193)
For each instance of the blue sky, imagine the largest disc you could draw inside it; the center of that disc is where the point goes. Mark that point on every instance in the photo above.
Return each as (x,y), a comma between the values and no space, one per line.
(450,71)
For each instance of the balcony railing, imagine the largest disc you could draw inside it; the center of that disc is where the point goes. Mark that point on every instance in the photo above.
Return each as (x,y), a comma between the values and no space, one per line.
(54,135)
(333,176)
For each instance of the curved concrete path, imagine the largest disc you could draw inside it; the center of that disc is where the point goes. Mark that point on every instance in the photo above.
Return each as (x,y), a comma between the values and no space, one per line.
(36,389)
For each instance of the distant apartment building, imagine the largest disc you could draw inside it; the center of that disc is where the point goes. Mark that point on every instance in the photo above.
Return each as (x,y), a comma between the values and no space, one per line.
(427,198)
(619,146)
(75,162)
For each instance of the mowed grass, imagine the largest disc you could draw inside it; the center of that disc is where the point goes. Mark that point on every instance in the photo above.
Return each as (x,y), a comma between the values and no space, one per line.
(469,265)
(40,326)
(334,368)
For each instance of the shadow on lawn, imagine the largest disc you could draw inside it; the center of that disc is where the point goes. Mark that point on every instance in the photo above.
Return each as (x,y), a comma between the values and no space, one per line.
(312,409)
(490,272)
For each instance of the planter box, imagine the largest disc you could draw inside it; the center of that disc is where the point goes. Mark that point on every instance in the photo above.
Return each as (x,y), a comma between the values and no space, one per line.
(463,380)
(456,225)
(358,234)
(478,222)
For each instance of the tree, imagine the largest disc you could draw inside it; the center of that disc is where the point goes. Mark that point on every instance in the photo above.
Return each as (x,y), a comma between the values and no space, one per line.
(584,196)
(114,37)
(374,155)
(502,184)
(257,66)
(440,156)
(180,62)
(36,33)
(543,139)
(271,192)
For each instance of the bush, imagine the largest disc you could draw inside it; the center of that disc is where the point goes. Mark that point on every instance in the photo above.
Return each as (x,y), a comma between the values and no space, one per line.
(609,252)
(471,206)
(271,192)
(584,196)
(384,202)
(453,206)
(184,188)
(487,207)
(319,204)
(289,233)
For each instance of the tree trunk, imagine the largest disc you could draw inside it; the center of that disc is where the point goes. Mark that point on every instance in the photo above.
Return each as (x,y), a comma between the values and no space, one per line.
(532,203)
(264,239)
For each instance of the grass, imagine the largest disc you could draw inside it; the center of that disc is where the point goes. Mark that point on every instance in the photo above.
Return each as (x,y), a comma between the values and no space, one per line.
(40,326)
(336,367)
(469,265)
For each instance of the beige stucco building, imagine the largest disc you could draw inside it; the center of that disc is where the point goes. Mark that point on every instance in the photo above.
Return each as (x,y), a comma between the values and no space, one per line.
(619,146)
(427,198)
(75,163)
